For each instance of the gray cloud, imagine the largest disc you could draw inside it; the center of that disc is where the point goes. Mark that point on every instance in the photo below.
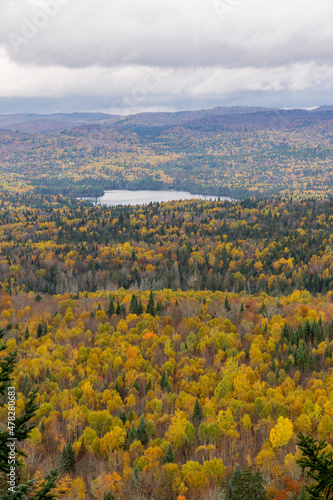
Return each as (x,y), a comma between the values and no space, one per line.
(201,50)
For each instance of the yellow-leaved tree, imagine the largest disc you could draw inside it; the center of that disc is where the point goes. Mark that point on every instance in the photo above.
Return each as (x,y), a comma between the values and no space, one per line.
(281,433)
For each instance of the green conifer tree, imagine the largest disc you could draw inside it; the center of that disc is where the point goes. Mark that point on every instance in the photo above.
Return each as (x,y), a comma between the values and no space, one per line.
(148,386)
(140,308)
(109,496)
(26,386)
(197,414)
(63,461)
(141,431)
(137,387)
(131,436)
(318,464)
(110,310)
(39,330)
(227,305)
(159,307)
(234,482)
(26,334)
(135,479)
(250,486)
(70,456)
(303,494)
(123,416)
(169,457)
(22,431)
(164,382)
(48,373)
(134,306)
(151,304)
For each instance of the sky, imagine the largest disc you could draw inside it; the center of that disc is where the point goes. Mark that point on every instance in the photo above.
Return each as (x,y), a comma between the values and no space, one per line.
(129,56)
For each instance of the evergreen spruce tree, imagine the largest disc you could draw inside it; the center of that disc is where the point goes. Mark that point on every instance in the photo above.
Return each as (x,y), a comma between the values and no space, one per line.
(227,305)
(137,387)
(234,482)
(140,307)
(135,479)
(39,330)
(242,308)
(131,436)
(187,448)
(48,373)
(159,307)
(249,486)
(303,494)
(134,306)
(169,457)
(116,387)
(318,464)
(26,334)
(148,386)
(110,310)
(42,427)
(70,456)
(63,462)
(311,361)
(109,496)
(99,308)
(197,414)
(164,382)
(151,305)
(122,416)
(26,386)
(22,431)
(67,458)
(120,309)
(141,431)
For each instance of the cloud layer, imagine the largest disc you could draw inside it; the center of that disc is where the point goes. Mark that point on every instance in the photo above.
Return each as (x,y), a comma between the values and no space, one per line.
(168,54)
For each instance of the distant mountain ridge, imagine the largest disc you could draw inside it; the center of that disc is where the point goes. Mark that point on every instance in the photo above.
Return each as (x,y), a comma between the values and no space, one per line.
(60,121)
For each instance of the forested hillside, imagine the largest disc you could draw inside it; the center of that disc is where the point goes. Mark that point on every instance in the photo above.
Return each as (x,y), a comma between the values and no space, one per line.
(177,348)
(275,246)
(162,395)
(239,152)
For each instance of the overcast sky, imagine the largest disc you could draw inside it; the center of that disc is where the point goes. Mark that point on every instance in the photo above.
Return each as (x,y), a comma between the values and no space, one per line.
(125,56)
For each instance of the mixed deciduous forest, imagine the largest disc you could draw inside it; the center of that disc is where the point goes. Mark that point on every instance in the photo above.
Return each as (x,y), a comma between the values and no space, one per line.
(177,349)
(51,245)
(241,152)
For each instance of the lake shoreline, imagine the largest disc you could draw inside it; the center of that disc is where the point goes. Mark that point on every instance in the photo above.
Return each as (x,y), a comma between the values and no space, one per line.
(145,196)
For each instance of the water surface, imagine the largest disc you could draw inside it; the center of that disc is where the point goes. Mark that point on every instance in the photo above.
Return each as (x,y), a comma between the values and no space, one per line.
(127,197)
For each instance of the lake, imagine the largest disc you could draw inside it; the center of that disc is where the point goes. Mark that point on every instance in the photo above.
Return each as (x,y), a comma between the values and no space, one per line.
(126,197)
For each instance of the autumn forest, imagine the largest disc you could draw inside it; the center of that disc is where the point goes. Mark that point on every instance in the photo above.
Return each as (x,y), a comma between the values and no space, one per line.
(176,349)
